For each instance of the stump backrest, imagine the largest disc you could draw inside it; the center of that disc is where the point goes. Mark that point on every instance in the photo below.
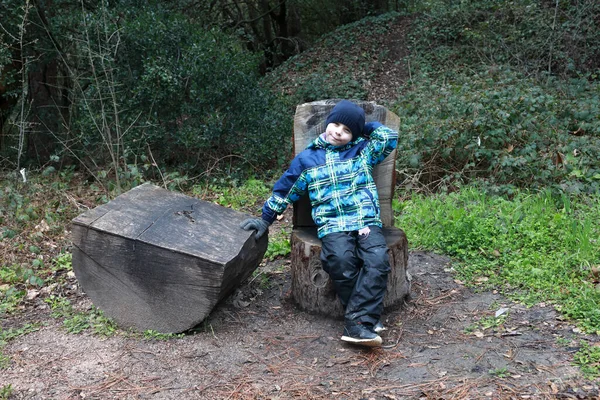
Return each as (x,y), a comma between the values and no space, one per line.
(309,122)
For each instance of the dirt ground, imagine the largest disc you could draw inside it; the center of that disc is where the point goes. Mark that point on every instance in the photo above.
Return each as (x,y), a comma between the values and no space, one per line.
(258,345)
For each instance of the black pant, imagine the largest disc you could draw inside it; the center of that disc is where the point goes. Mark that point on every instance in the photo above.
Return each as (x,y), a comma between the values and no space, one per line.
(358,267)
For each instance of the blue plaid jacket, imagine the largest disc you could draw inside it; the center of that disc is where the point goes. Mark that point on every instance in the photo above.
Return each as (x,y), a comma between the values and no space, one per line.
(338,180)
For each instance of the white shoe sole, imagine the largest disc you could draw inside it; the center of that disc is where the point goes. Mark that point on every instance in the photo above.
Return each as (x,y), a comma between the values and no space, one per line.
(375,342)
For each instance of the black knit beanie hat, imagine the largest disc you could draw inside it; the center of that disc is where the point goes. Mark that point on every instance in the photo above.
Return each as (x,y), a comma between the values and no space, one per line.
(350,114)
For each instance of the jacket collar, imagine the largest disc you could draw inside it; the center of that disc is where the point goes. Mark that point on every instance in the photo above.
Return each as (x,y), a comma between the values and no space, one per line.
(321,143)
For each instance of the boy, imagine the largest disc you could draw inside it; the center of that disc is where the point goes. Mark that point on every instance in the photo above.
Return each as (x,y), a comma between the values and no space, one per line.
(336,171)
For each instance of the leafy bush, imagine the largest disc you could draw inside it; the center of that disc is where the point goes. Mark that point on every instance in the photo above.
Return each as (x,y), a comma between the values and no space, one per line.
(140,81)
(502,127)
(531,35)
(190,95)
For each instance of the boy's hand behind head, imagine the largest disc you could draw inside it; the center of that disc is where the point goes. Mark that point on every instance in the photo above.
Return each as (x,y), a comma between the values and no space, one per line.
(370,128)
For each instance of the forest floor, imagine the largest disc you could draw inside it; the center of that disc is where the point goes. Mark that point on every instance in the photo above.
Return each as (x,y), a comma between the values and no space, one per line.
(448,341)
(442,344)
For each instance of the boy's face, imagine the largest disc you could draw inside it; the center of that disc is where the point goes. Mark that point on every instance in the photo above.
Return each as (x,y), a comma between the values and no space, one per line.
(337,134)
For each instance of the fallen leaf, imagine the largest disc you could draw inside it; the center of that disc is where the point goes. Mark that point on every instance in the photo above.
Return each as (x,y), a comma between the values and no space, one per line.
(501,311)
(478,334)
(42,226)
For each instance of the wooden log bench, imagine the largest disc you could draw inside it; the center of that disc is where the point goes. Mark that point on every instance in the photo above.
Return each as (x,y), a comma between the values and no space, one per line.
(311,287)
(159,260)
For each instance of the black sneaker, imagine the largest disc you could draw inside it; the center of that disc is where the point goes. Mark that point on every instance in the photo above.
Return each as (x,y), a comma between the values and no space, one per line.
(378,327)
(361,335)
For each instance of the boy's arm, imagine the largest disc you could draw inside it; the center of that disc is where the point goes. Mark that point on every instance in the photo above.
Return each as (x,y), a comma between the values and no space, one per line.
(288,189)
(381,141)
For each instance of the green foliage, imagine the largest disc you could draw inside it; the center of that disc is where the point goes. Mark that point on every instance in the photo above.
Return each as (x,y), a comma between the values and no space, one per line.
(6,390)
(4,363)
(484,323)
(63,262)
(499,372)
(239,195)
(94,320)
(263,279)
(154,335)
(503,128)
(505,92)
(77,322)
(588,359)
(12,333)
(279,244)
(198,90)
(146,87)
(533,36)
(8,335)
(538,247)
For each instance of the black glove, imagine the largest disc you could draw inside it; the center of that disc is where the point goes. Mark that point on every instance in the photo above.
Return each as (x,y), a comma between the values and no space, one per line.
(260,225)
(370,128)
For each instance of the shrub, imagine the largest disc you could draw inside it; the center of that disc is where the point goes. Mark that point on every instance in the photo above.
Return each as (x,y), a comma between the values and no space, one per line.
(531,35)
(501,127)
(139,78)
(192,95)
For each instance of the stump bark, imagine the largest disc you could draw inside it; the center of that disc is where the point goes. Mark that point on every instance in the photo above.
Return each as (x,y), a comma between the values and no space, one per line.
(154,259)
(311,288)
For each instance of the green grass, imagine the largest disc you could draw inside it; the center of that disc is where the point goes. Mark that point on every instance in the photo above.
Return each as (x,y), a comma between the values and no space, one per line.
(535,247)
(233,194)
(6,391)
(154,335)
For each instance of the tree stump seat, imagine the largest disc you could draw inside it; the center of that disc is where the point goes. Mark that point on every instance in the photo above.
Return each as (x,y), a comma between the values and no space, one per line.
(311,287)
(158,260)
